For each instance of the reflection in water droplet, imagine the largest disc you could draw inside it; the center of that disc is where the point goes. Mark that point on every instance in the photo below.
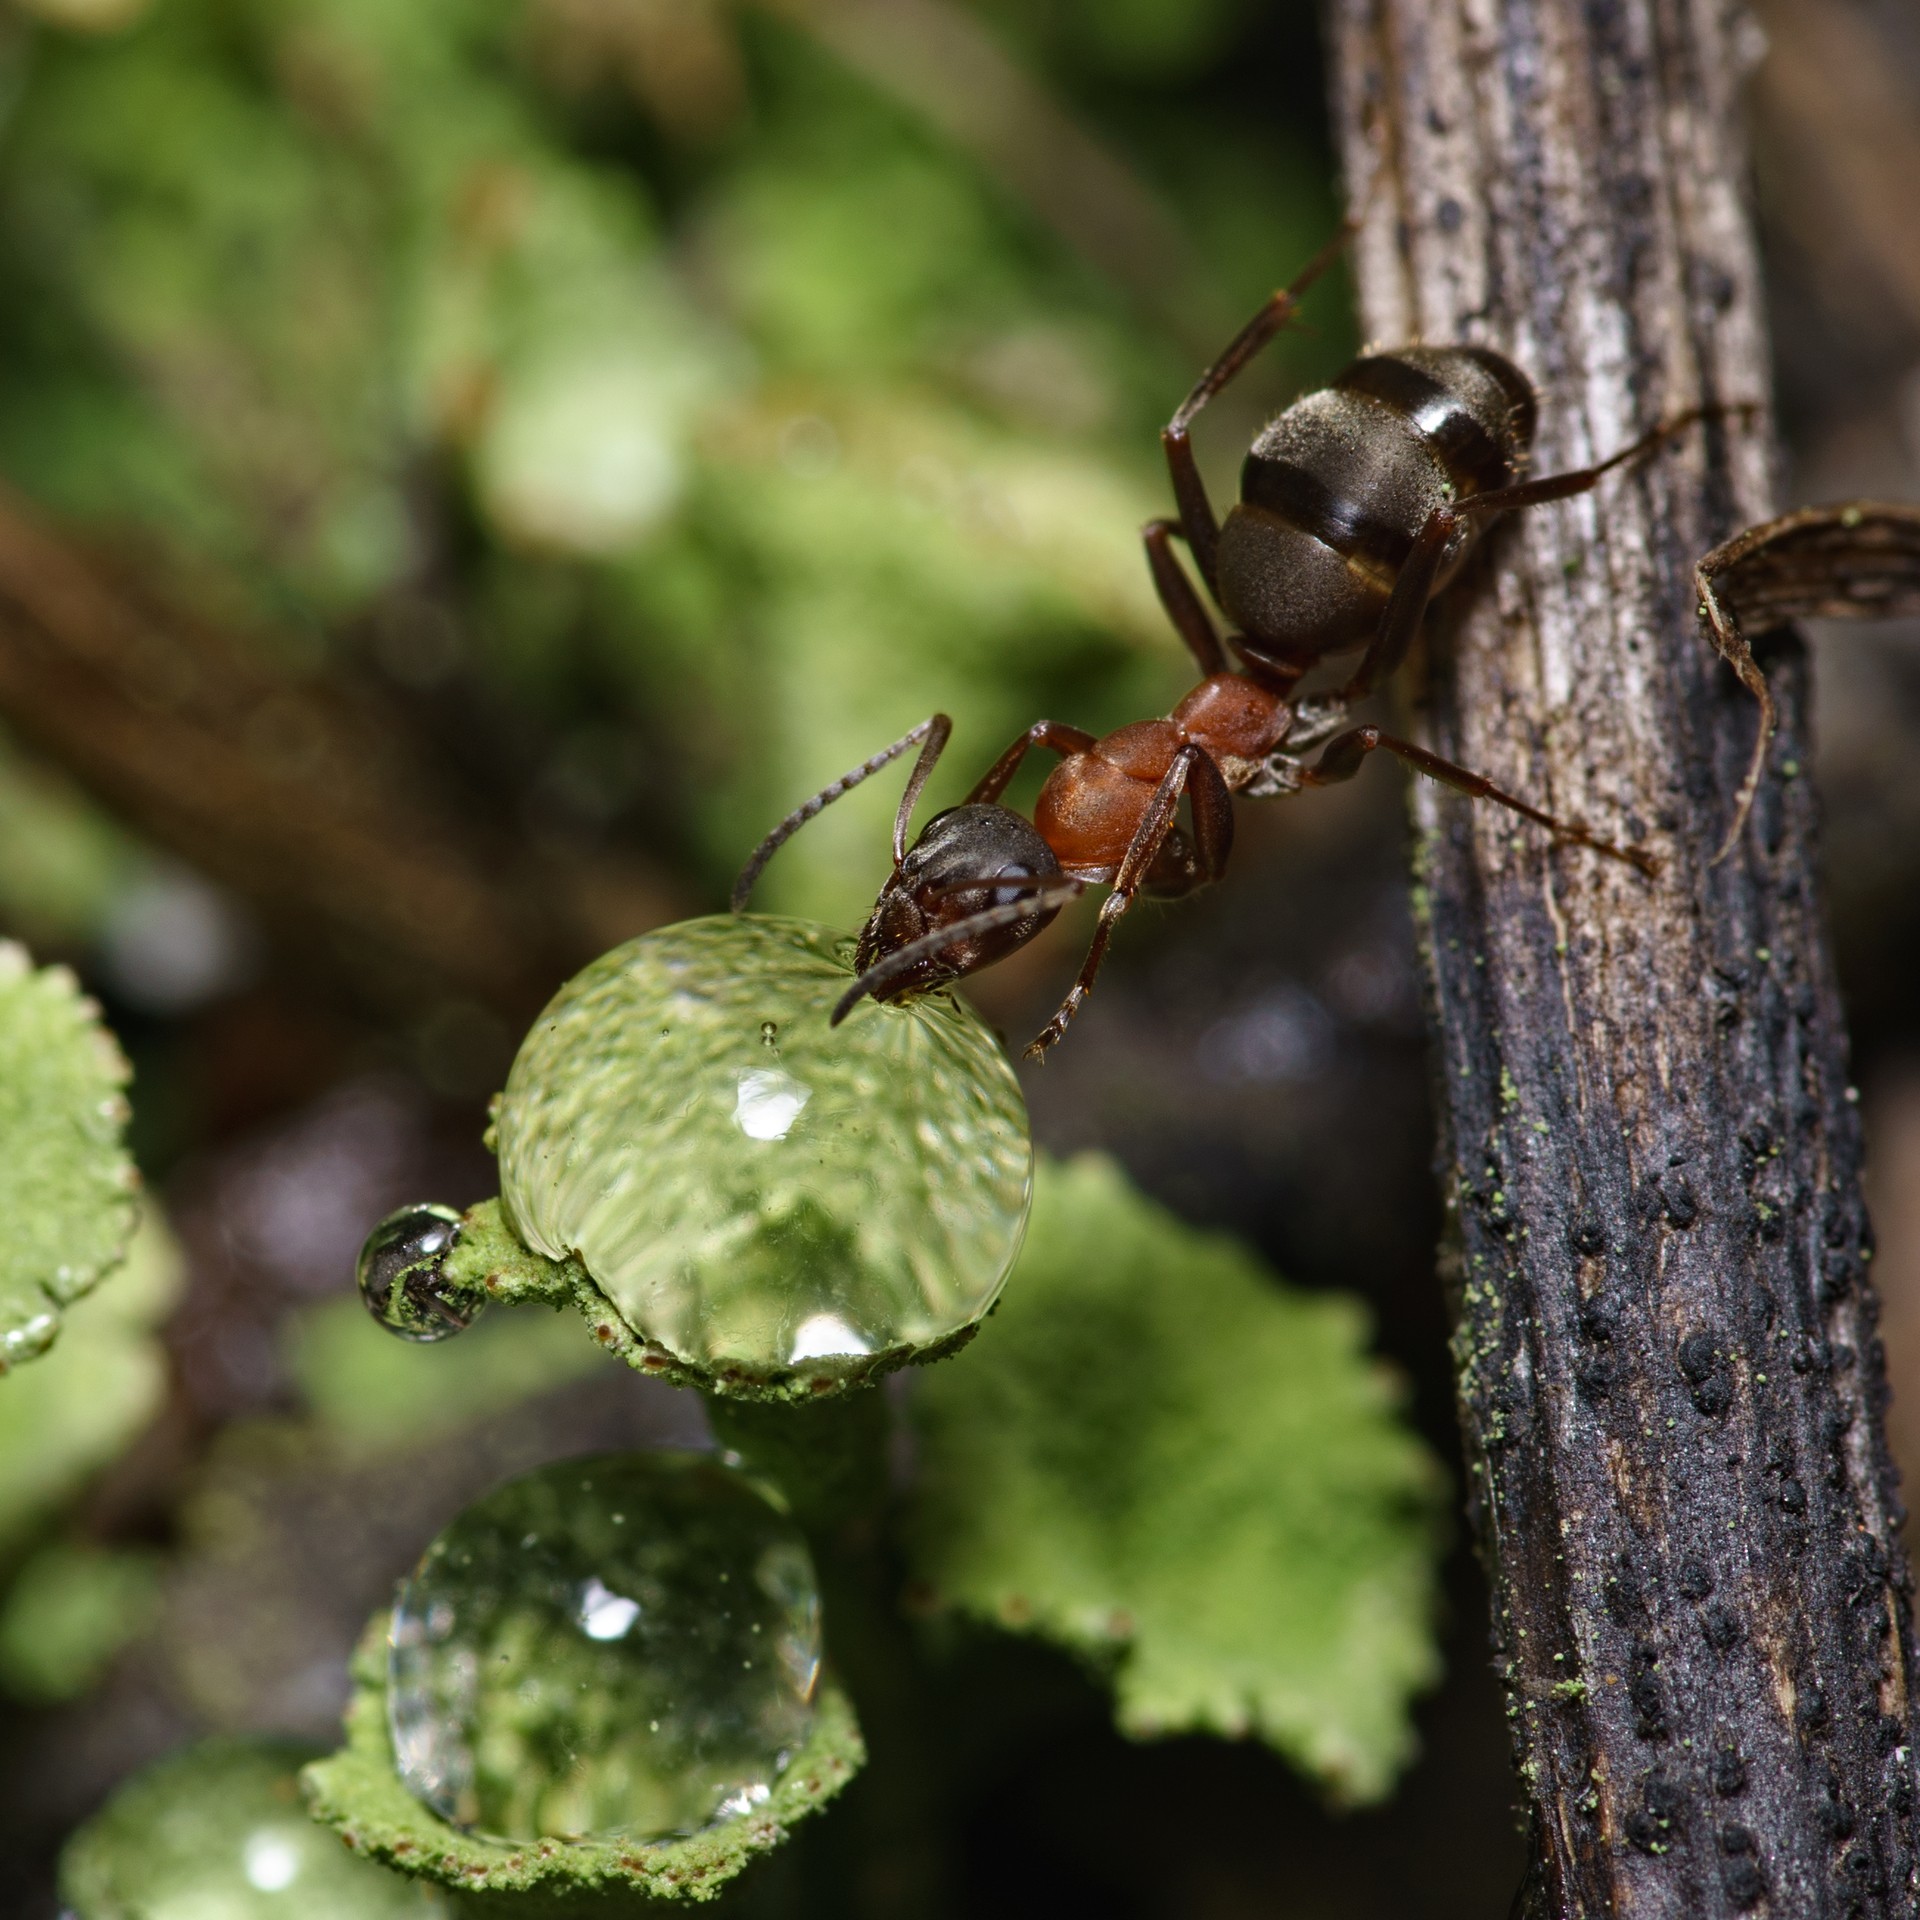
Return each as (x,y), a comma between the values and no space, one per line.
(615,1679)
(768,1103)
(605,1615)
(823,1335)
(867,1194)
(270,1860)
(400,1275)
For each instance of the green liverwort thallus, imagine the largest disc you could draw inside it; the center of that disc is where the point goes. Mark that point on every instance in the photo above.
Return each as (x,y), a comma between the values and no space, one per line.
(624,1645)
(752,1189)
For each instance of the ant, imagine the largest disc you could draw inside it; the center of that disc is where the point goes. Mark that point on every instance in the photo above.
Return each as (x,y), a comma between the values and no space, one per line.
(1358,503)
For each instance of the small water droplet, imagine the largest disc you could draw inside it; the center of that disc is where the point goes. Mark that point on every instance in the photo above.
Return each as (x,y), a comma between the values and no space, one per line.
(770,1035)
(524,1720)
(400,1271)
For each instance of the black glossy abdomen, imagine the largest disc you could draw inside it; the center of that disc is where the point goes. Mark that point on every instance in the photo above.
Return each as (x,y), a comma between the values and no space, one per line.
(1336,487)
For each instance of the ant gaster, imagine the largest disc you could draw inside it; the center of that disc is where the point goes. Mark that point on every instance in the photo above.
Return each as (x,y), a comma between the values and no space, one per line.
(1357,504)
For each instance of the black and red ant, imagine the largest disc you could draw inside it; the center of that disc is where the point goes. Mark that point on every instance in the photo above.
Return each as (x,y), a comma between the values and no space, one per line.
(1357,504)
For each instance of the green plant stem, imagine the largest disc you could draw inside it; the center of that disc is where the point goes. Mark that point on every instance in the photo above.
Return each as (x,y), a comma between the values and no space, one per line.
(831,1462)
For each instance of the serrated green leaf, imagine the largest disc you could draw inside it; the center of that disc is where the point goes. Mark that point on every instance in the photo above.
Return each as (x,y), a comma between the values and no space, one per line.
(217,1832)
(1161,1458)
(66,1183)
(64,1418)
(359,1793)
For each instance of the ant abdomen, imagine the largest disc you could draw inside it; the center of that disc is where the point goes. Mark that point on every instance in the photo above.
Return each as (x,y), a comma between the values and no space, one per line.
(1336,489)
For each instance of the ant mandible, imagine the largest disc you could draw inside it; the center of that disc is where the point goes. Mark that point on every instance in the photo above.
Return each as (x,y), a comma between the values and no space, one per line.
(1357,504)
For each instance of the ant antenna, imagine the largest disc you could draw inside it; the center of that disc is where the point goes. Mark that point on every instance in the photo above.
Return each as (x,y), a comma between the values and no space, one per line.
(934,730)
(903,960)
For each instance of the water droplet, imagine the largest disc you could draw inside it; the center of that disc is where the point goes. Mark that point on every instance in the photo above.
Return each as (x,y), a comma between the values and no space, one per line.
(593,1686)
(217,1829)
(769,1035)
(867,1194)
(400,1275)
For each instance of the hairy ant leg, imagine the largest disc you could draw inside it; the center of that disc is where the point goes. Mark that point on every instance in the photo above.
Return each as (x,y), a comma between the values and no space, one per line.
(1048,734)
(1192,772)
(1859,560)
(1197,520)
(1346,753)
(1407,605)
(934,732)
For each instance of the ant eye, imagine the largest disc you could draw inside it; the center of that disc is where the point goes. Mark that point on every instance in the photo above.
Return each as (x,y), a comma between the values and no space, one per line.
(1007,896)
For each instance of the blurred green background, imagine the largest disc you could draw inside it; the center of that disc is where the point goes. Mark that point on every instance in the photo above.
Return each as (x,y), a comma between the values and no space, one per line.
(465,471)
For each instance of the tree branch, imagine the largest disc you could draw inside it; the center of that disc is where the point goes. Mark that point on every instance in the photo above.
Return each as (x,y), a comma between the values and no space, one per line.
(1669,1383)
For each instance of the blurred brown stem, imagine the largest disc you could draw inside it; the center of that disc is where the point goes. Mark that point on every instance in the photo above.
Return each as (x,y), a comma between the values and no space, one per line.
(304,796)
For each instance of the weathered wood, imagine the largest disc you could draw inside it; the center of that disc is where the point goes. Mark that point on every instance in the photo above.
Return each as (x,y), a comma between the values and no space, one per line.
(1669,1382)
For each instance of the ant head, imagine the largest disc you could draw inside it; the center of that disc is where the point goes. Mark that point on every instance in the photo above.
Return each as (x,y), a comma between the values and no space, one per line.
(977,884)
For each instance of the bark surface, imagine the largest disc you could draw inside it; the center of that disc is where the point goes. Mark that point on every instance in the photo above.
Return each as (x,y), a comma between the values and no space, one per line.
(1669,1383)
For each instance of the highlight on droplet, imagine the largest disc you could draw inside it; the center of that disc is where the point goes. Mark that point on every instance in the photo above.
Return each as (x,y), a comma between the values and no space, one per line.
(767,1102)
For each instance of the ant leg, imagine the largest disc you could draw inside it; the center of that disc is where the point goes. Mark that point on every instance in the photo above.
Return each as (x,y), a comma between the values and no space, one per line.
(1197,520)
(1049,734)
(1344,755)
(1183,605)
(1407,604)
(1858,560)
(934,731)
(1213,835)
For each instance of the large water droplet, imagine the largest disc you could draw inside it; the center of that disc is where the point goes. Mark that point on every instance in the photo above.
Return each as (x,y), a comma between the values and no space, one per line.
(620,1645)
(400,1275)
(756,1191)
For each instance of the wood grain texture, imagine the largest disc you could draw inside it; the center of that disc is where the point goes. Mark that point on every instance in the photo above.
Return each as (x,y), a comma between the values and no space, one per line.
(1669,1382)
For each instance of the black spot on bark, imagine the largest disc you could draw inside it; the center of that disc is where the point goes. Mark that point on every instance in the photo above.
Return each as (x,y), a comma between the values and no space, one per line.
(1722,1627)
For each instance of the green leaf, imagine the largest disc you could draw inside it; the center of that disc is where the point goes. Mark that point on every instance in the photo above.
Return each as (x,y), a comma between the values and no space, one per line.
(63,1419)
(66,1183)
(358,1792)
(375,1395)
(1161,1458)
(217,1831)
(69,1611)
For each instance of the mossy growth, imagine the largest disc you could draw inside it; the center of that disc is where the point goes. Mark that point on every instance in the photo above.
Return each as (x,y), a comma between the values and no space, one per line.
(359,1793)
